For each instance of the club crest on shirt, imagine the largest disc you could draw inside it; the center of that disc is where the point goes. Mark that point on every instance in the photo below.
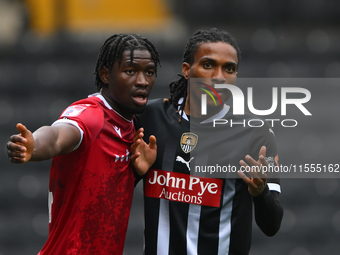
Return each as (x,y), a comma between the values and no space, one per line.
(73,111)
(188,142)
(270,161)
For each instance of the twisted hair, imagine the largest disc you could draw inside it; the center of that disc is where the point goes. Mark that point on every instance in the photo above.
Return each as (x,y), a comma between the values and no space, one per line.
(113,48)
(178,88)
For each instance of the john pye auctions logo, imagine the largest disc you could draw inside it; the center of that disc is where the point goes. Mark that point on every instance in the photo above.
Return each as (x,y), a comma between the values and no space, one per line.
(183,188)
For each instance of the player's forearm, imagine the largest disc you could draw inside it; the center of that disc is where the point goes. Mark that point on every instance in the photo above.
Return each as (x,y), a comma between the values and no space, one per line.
(268,212)
(45,145)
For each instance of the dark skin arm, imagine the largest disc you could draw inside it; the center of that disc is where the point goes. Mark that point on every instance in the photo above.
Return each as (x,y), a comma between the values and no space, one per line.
(44,143)
(50,141)
(268,210)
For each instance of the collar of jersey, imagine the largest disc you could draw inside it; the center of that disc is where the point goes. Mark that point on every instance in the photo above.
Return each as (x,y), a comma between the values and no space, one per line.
(219,115)
(107,104)
(184,116)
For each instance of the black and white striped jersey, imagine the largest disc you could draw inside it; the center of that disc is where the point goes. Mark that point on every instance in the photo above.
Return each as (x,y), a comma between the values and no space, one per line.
(189,210)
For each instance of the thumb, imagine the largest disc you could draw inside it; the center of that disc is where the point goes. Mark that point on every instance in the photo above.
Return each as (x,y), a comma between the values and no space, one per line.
(23,130)
(152,142)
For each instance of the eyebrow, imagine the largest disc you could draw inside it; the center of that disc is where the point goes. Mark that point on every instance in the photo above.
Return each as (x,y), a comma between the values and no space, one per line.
(129,63)
(213,60)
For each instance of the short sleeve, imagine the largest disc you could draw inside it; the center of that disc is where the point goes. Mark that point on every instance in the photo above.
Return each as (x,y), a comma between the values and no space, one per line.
(87,117)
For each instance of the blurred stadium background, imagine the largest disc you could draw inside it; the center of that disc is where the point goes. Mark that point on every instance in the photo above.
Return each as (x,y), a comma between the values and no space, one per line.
(48,49)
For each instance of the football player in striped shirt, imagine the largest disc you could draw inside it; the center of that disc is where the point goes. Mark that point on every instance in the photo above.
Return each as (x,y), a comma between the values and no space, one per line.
(187,213)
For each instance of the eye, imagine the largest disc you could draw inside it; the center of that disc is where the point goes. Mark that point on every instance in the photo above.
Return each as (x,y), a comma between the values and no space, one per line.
(231,69)
(129,72)
(207,65)
(150,73)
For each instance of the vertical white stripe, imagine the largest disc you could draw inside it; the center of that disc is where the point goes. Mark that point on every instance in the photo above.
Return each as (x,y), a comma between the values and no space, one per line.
(204,104)
(193,228)
(50,202)
(225,217)
(163,236)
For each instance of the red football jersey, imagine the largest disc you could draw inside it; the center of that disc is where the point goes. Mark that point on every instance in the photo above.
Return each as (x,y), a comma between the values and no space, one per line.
(91,188)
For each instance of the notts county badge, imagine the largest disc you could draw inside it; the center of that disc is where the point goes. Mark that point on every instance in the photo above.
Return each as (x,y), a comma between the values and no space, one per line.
(188,142)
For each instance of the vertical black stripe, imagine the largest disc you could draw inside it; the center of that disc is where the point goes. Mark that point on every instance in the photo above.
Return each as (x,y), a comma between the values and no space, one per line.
(209,223)
(178,227)
(209,230)
(240,237)
(151,226)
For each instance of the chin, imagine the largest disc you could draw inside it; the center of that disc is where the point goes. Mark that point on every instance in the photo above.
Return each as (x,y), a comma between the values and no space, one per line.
(137,109)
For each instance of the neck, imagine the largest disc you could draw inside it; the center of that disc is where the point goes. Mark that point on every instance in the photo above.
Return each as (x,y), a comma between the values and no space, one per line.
(115,106)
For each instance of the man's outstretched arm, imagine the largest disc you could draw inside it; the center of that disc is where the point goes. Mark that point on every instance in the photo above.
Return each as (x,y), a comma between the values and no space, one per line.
(44,143)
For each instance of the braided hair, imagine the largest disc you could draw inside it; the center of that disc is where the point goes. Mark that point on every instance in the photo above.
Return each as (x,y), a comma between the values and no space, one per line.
(178,88)
(113,48)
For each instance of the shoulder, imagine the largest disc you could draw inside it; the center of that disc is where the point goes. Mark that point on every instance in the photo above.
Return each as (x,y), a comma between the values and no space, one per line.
(156,107)
(86,111)
(157,112)
(158,103)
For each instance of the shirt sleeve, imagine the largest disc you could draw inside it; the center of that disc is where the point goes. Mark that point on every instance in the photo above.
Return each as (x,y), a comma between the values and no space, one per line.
(75,124)
(268,212)
(87,117)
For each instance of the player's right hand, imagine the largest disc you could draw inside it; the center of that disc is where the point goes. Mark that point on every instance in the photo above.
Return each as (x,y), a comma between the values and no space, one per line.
(20,147)
(143,155)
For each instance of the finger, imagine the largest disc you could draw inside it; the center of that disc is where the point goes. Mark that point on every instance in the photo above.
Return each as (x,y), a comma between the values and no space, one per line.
(263,161)
(138,135)
(134,146)
(16,154)
(245,178)
(135,156)
(253,183)
(252,161)
(140,130)
(263,151)
(262,156)
(15,139)
(152,142)
(15,147)
(255,170)
(250,182)
(17,160)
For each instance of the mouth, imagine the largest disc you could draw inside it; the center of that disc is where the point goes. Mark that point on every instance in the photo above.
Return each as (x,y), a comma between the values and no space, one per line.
(140,97)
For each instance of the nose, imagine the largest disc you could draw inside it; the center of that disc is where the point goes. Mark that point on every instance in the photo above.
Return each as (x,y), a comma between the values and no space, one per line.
(218,79)
(141,80)
(218,76)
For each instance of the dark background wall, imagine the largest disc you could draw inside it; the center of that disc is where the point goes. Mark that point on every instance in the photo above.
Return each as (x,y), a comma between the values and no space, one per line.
(40,75)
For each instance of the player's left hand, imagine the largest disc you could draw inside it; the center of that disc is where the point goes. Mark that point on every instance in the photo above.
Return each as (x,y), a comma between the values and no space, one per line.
(258,178)
(143,155)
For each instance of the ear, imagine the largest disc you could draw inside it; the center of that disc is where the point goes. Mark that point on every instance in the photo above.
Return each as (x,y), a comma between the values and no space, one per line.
(186,70)
(104,75)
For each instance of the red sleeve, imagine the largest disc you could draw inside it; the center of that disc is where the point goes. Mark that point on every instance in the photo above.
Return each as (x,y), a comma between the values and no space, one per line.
(89,117)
